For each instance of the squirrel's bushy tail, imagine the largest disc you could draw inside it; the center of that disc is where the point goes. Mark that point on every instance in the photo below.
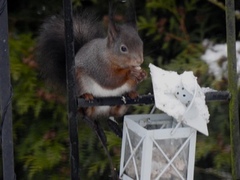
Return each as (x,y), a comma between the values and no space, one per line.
(50,51)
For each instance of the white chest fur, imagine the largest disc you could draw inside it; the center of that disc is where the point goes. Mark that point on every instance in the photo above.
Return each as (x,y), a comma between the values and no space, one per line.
(90,86)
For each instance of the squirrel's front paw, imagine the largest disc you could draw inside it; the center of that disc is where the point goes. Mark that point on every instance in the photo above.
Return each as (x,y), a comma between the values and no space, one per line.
(139,74)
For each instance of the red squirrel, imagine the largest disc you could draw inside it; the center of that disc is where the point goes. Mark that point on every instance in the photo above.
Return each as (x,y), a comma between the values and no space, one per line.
(105,65)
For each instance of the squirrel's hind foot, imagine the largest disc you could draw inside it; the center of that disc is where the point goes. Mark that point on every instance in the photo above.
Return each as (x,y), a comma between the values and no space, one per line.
(87,96)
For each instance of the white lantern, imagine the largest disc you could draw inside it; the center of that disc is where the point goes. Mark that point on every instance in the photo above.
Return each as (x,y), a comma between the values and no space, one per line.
(154,148)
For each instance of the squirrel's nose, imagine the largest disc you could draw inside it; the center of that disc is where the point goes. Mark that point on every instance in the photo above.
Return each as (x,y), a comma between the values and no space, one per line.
(139,60)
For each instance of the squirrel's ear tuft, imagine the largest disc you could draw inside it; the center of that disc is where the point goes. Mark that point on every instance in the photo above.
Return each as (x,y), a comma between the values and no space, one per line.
(113,32)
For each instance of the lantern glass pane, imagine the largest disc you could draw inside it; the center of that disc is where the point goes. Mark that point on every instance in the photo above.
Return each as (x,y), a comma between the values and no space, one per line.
(170,158)
(133,167)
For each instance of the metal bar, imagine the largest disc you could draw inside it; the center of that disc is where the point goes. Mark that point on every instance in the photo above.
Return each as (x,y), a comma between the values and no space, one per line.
(217,96)
(71,89)
(118,100)
(144,99)
(233,88)
(6,96)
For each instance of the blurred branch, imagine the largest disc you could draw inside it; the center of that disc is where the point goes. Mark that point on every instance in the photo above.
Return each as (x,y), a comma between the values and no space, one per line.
(222,6)
(210,171)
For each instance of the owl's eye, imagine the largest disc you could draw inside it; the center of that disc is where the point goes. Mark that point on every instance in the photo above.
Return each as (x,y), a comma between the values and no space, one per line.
(124,49)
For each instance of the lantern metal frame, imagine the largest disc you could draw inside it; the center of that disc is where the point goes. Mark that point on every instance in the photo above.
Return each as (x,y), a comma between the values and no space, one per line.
(143,127)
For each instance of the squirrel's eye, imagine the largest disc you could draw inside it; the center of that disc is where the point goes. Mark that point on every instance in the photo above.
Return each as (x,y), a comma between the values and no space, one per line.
(123,48)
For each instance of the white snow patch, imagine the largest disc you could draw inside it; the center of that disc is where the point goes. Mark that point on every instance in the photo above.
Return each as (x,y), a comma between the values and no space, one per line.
(216,58)
(208,89)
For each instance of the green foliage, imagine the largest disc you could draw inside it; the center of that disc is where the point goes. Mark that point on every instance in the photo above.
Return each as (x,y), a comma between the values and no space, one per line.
(40,129)
(23,77)
(94,162)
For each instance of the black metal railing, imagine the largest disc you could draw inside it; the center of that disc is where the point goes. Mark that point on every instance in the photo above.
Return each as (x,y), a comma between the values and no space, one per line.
(144,99)
(6,97)
(71,89)
(233,88)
